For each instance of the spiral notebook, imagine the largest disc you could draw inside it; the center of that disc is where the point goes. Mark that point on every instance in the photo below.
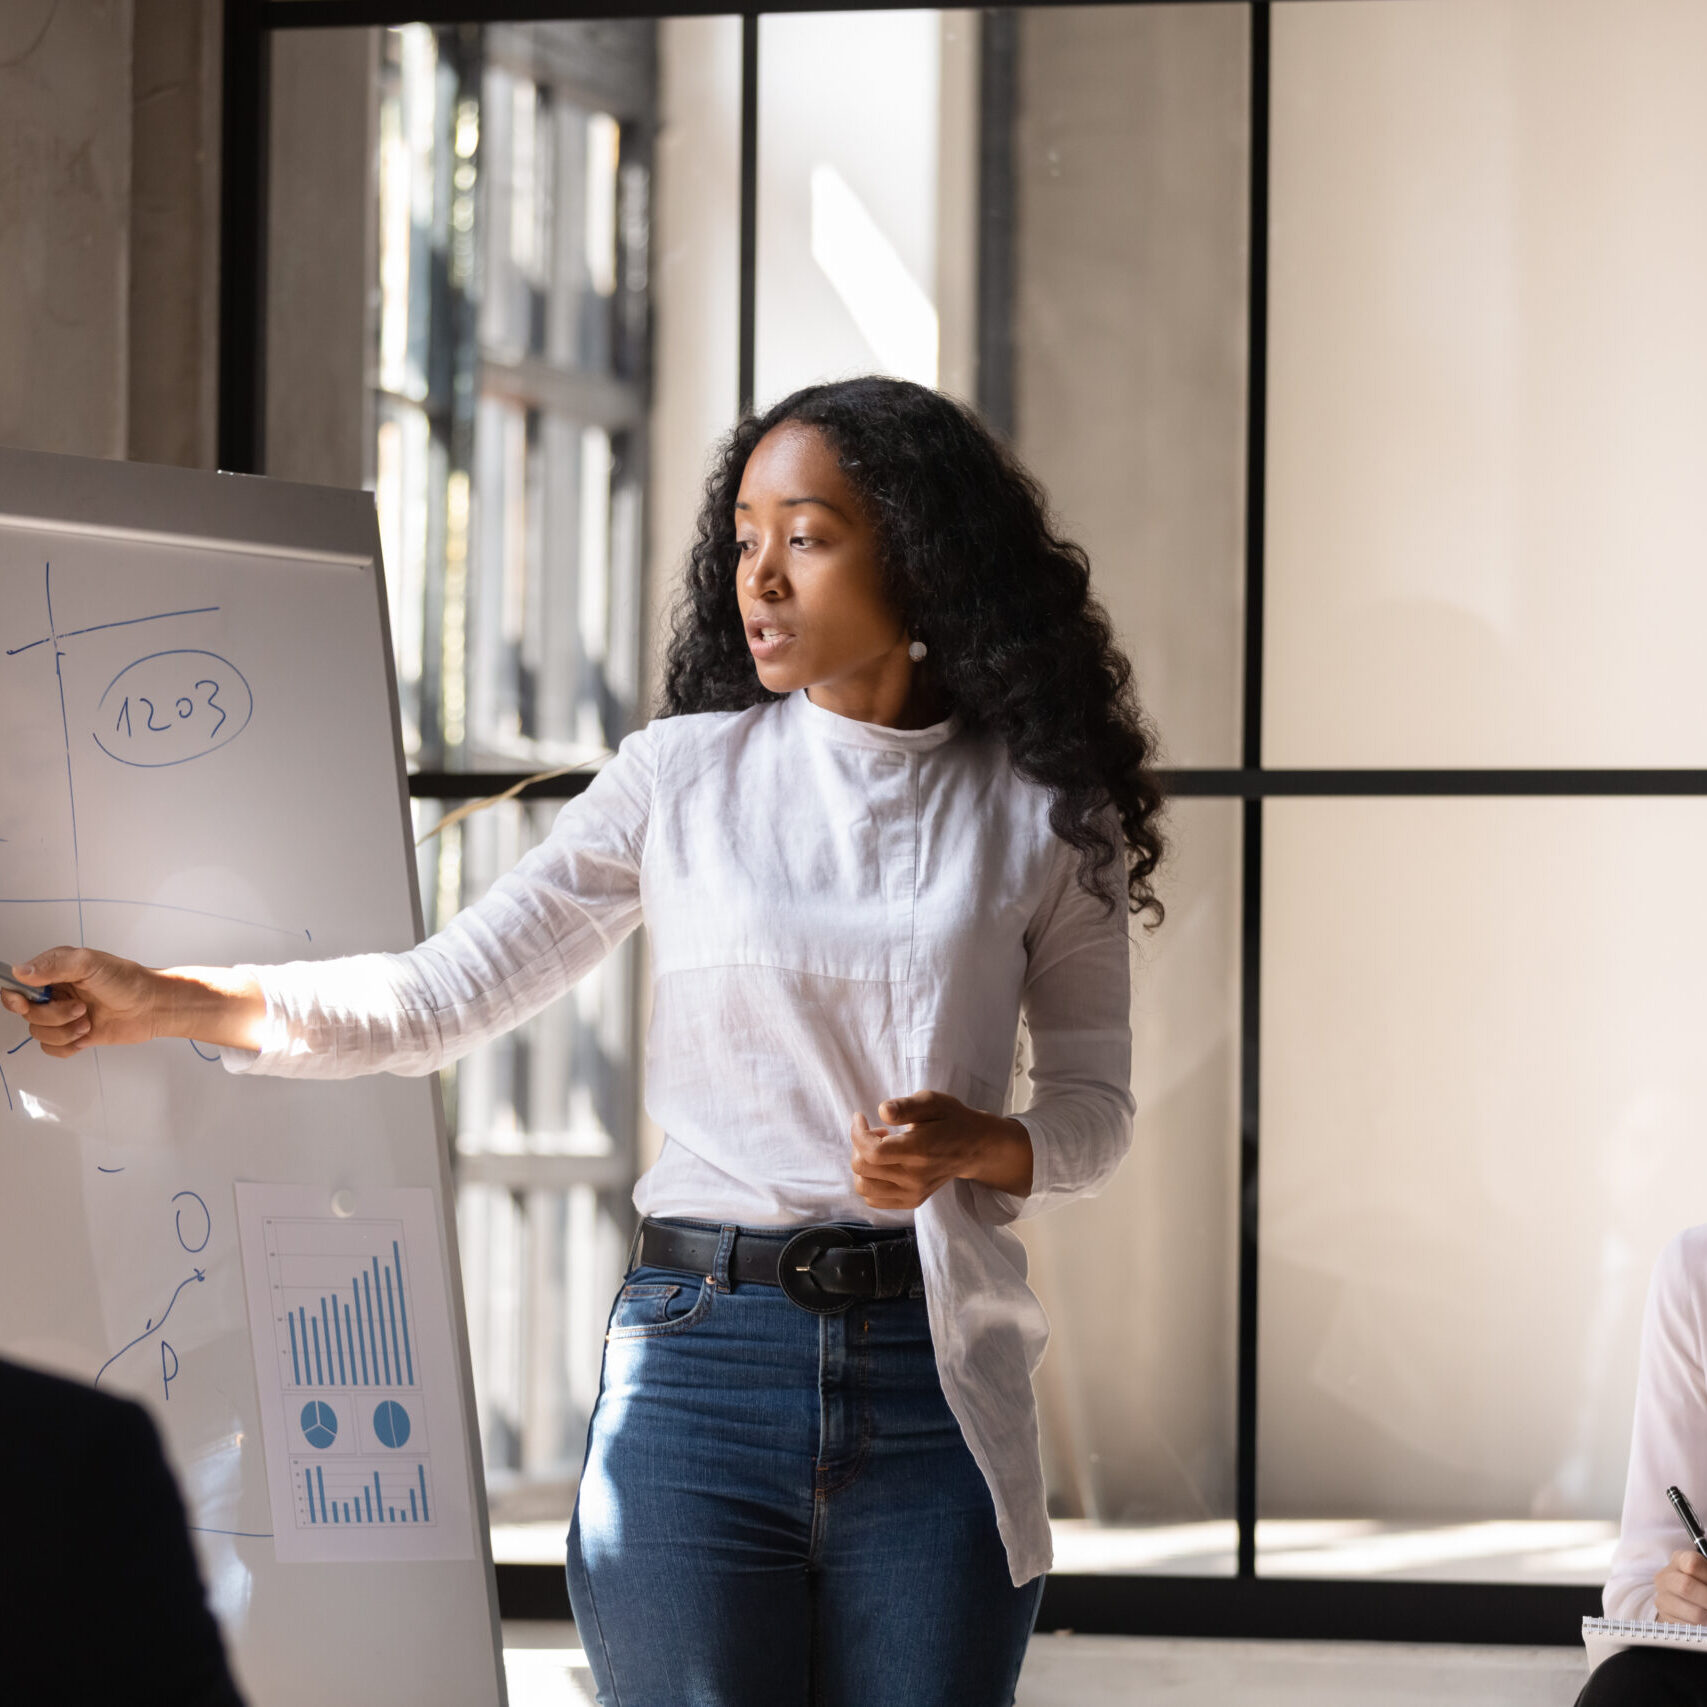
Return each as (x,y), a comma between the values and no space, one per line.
(1603,1637)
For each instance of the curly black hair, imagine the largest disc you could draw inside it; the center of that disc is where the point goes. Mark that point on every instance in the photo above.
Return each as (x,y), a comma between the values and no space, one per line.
(974,567)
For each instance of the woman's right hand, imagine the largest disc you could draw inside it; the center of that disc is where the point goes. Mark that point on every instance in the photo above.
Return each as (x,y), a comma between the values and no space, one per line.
(98,999)
(1680,1590)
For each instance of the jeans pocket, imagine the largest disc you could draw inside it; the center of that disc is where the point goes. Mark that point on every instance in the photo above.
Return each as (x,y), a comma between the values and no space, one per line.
(647,1308)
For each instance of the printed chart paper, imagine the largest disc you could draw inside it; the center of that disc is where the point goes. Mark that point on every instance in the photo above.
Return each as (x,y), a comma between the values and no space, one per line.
(361,1412)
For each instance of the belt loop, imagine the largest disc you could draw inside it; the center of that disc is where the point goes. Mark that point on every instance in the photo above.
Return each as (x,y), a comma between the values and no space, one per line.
(719,1276)
(634,1244)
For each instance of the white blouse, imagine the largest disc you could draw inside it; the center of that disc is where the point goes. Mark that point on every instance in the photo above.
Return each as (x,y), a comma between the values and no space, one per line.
(1668,1445)
(838,913)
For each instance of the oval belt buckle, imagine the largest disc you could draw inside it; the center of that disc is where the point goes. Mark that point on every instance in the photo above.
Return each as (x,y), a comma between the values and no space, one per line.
(794,1270)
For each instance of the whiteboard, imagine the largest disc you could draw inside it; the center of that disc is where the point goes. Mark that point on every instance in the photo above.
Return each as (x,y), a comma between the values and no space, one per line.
(202,765)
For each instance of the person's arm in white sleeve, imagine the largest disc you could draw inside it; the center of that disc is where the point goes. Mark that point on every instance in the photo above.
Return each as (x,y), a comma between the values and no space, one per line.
(1668,1443)
(1077,1003)
(535,932)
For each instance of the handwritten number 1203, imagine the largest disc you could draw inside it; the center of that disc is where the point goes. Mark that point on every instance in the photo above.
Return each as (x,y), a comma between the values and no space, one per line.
(184,706)
(171,707)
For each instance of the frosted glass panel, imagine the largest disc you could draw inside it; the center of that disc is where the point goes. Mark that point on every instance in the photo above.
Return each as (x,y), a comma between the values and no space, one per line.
(1487,384)
(866,182)
(1482,1096)
(1137,1390)
(1131,157)
(1111,210)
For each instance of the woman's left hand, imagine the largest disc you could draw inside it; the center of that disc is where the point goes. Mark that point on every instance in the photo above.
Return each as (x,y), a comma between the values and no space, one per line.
(930,1138)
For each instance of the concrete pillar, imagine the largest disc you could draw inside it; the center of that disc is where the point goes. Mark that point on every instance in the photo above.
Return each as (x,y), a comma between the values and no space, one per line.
(65,160)
(109,185)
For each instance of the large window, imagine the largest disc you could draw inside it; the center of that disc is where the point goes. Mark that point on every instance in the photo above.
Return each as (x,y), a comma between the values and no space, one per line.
(1358,344)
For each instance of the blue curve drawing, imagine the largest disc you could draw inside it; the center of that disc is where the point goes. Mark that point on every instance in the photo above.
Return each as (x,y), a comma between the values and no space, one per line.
(217,737)
(178,1222)
(150,1328)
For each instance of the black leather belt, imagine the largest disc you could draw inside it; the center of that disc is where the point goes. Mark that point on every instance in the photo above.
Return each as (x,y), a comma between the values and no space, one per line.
(822,1269)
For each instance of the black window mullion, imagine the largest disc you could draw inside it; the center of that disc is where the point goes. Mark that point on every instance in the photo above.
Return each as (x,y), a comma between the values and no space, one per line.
(748,346)
(244,111)
(1250,934)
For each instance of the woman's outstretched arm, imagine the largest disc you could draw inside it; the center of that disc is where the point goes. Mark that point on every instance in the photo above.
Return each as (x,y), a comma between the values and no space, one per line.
(533,934)
(100,1000)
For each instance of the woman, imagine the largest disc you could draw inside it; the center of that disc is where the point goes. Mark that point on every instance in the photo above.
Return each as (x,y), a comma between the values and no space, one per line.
(1656,1574)
(900,795)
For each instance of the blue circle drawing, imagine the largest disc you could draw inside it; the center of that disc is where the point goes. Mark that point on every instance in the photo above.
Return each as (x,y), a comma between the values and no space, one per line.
(391,1423)
(319,1424)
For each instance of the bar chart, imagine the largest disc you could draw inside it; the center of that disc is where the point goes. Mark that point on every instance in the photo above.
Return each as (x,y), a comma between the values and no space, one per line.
(341,1300)
(352,1323)
(333,1493)
(345,1322)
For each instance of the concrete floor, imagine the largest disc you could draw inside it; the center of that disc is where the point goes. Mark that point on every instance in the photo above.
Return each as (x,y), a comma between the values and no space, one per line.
(547,1669)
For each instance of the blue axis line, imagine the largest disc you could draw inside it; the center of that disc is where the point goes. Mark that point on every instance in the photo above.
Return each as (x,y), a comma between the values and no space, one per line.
(151,1327)
(65,726)
(157,906)
(95,628)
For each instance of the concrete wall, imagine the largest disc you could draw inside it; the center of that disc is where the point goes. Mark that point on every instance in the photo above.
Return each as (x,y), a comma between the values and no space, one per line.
(320,234)
(109,162)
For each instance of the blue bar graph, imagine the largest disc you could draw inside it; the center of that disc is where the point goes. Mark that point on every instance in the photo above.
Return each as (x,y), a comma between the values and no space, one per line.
(403,1305)
(384,1343)
(360,1494)
(391,1305)
(371,1338)
(359,1338)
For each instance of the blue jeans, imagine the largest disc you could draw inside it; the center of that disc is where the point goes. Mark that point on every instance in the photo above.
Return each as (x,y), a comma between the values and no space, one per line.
(778,1510)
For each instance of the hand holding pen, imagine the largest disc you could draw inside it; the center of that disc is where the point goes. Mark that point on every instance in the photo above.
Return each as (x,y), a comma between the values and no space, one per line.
(1680,1589)
(41,995)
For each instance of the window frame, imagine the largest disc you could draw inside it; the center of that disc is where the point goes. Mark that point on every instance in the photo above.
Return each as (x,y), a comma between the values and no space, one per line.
(1245,1604)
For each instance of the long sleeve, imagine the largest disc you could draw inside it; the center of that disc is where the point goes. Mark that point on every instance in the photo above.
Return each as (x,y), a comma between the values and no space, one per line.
(1668,1445)
(536,931)
(1077,1003)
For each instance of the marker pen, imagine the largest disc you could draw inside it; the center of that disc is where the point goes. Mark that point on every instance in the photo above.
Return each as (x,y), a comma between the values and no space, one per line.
(40,995)
(1690,1521)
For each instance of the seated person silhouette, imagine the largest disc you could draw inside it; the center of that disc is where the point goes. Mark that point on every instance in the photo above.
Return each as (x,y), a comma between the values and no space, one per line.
(100,1596)
(1656,1573)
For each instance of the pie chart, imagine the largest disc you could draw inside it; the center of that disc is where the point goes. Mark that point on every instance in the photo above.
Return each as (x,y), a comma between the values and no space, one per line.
(319,1424)
(390,1423)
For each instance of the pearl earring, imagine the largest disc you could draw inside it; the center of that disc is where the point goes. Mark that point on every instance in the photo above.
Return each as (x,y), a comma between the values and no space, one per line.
(917,651)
